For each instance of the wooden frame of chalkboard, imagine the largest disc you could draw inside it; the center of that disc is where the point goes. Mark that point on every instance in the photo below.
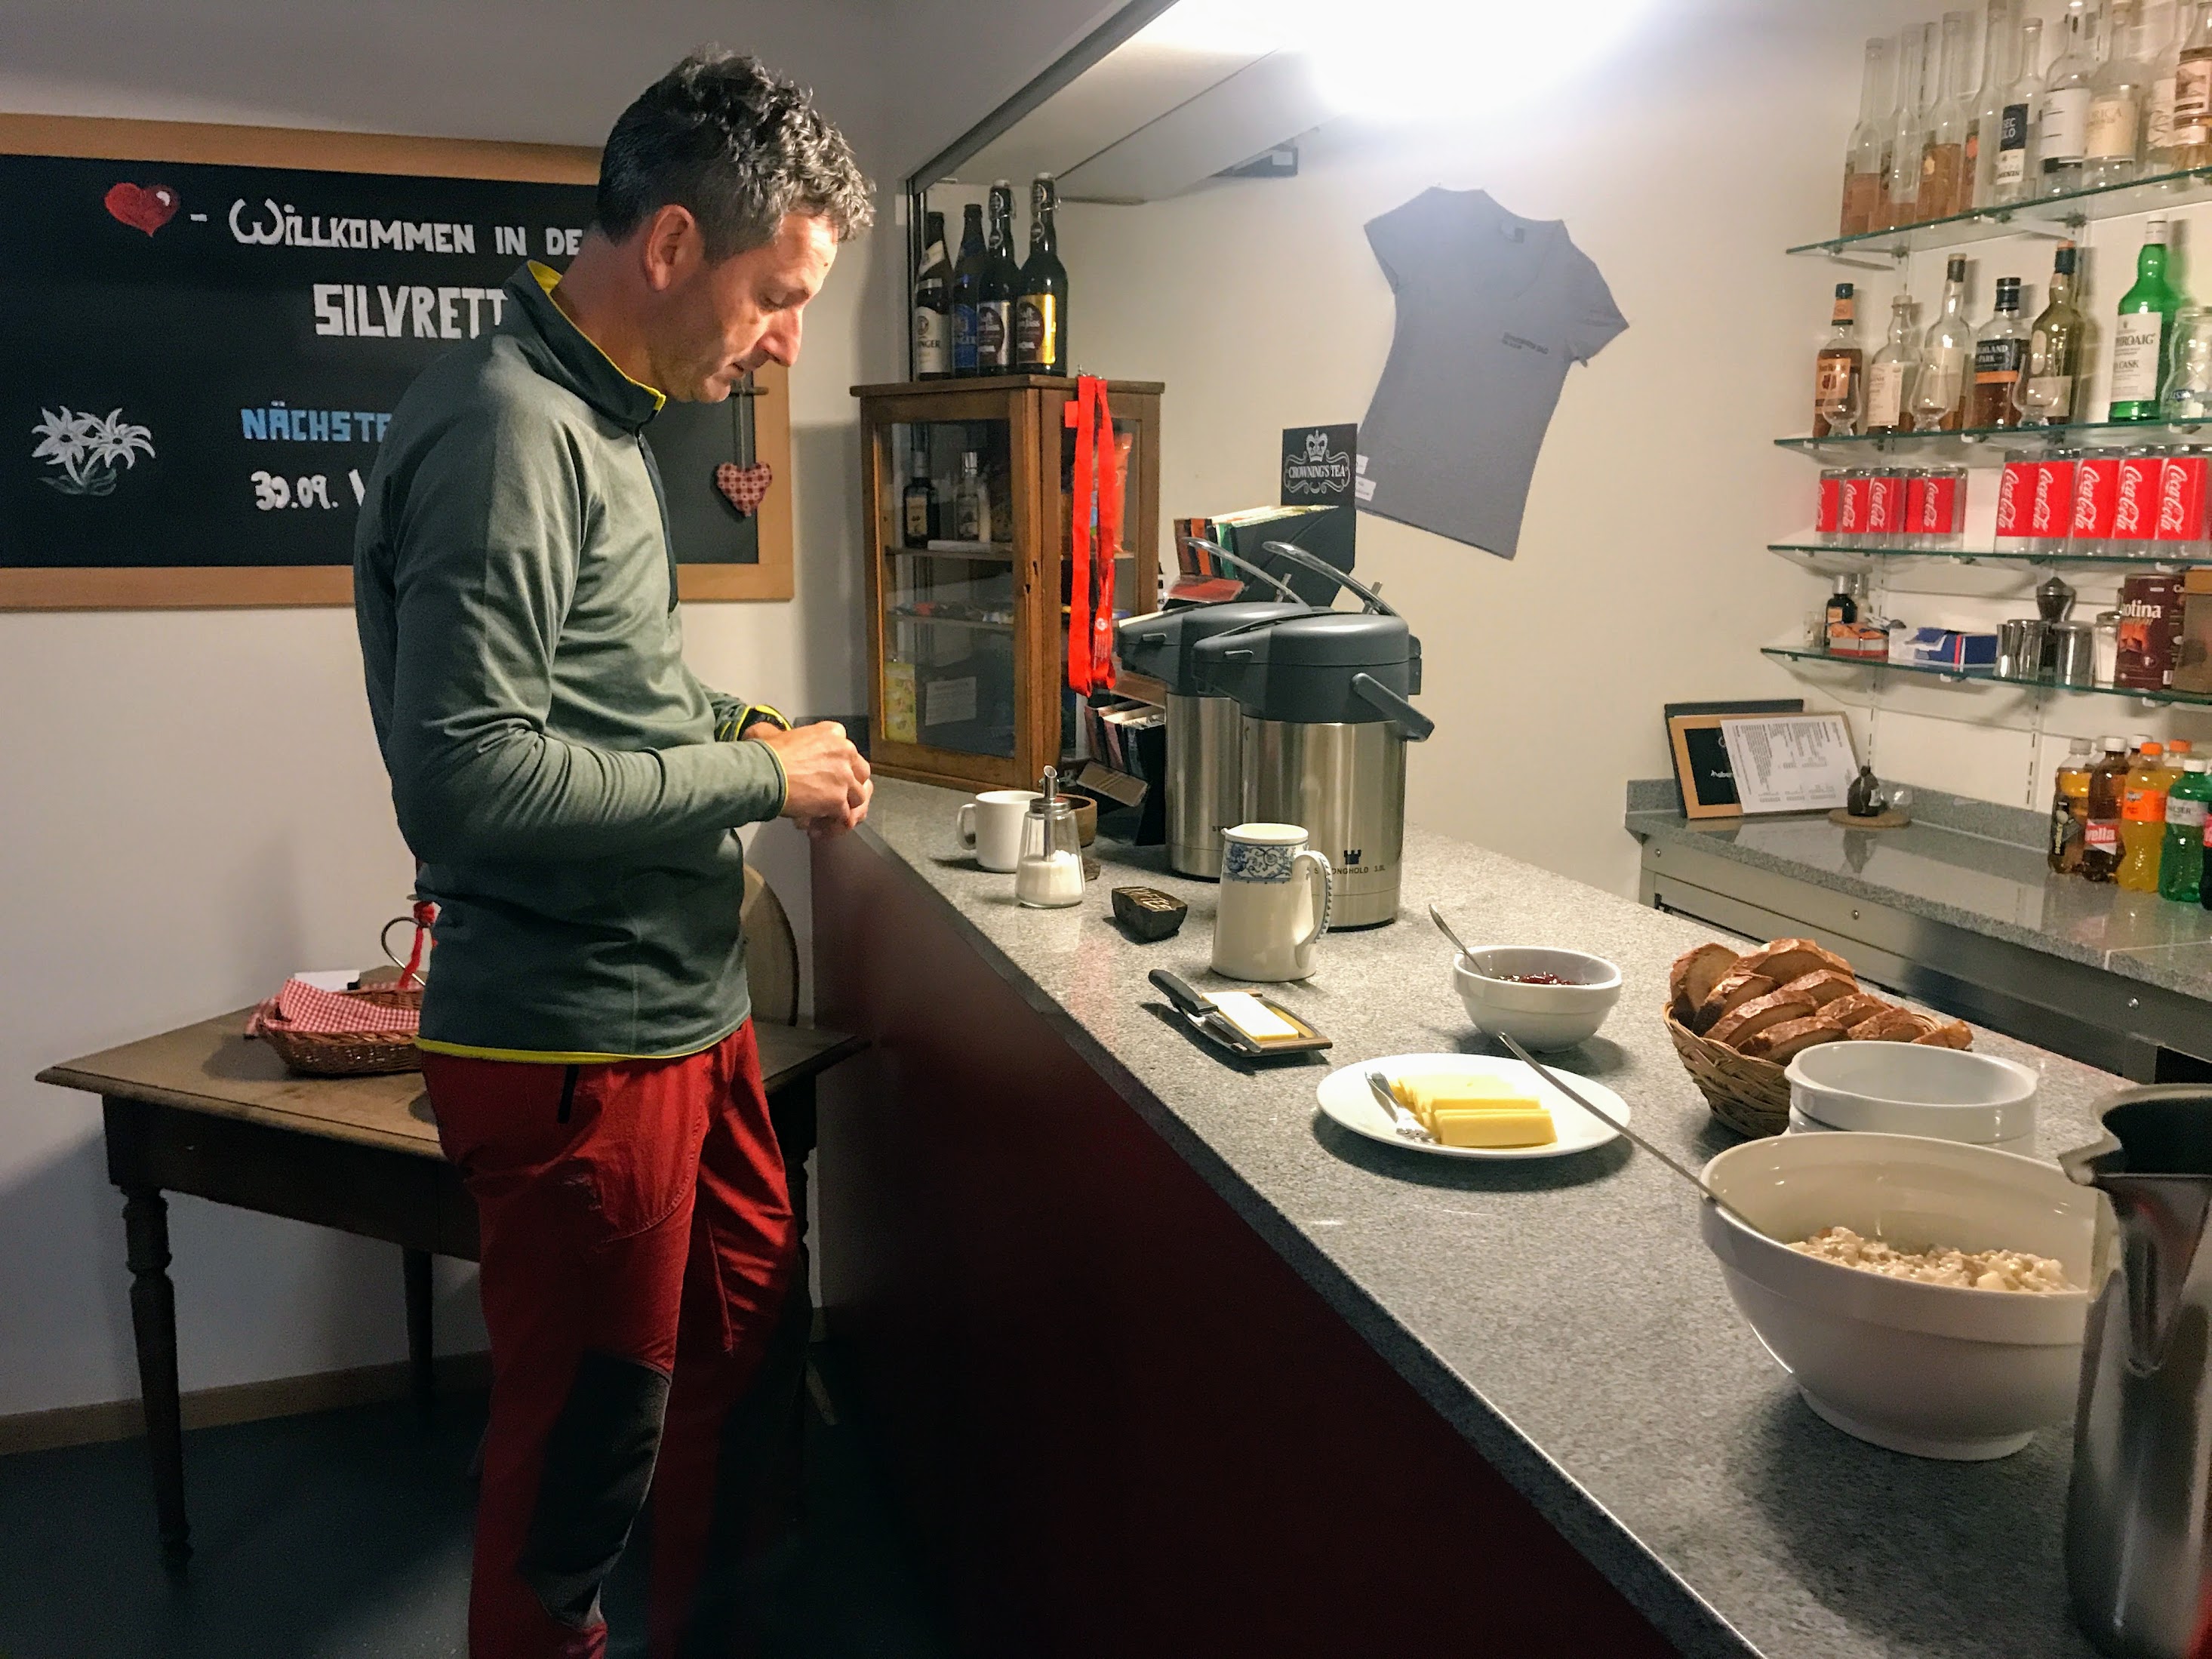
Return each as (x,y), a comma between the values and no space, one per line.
(126,583)
(1701,766)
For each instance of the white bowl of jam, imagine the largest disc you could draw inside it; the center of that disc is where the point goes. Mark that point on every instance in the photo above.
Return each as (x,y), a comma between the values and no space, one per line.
(1540,997)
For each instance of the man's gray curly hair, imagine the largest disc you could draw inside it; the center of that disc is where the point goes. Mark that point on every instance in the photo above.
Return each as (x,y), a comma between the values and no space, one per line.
(736,146)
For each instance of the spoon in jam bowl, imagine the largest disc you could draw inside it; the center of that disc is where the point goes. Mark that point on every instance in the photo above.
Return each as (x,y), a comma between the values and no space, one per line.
(1458,944)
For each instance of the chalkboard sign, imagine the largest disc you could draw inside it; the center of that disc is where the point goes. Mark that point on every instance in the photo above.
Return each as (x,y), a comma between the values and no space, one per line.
(205,343)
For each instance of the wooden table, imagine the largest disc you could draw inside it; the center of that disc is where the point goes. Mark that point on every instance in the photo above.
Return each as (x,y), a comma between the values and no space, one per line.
(202,1111)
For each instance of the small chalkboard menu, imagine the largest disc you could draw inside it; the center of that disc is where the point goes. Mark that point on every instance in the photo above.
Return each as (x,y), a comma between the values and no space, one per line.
(206,331)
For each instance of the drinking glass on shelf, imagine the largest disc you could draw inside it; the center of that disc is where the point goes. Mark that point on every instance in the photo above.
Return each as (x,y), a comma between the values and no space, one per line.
(1938,392)
(2188,395)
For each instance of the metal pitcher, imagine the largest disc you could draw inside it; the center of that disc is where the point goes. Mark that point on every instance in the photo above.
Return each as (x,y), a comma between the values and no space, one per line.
(2139,1513)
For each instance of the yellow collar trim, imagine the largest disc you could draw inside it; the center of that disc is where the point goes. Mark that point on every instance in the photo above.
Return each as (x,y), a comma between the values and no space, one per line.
(549,279)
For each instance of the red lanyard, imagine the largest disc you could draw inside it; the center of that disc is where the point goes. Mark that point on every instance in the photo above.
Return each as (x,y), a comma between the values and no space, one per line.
(1095,493)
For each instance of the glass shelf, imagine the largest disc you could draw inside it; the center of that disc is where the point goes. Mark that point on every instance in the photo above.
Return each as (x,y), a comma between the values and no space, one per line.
(1993,445)
(2046,215)
(1988,676)
(988,552)
(1977,555)
(927,621)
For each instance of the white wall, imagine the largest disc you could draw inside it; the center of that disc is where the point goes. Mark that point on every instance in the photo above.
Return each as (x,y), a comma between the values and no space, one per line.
(192,805)
(1683,164)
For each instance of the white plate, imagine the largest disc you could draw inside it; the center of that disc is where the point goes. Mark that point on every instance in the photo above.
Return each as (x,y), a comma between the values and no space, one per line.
(1346,1097)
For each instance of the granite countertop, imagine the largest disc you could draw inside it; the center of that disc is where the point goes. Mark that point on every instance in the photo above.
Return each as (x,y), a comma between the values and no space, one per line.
(1563,1315)
(1968,865)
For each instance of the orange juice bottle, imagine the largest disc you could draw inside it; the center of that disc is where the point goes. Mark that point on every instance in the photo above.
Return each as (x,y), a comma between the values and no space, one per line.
(2142,820)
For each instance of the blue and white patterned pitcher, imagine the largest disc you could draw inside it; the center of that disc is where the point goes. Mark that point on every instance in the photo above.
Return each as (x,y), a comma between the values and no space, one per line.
(1275,895)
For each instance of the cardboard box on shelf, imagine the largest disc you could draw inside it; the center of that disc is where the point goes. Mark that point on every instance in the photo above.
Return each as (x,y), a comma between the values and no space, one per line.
(2192,657)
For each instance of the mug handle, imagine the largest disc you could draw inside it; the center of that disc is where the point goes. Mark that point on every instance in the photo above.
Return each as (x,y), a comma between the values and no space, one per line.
(1320,860)
(964,824)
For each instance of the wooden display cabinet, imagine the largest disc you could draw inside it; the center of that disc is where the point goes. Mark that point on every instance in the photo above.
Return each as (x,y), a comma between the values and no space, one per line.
(968,635)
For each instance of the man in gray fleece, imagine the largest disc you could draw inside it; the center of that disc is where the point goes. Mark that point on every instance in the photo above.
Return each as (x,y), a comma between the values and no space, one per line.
(574,793)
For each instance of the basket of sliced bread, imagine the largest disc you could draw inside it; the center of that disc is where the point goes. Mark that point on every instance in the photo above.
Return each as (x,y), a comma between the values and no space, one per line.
(1738,1018)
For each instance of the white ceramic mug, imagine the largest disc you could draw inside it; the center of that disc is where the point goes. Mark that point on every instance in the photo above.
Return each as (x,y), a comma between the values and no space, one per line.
(990,826)
(1275,894)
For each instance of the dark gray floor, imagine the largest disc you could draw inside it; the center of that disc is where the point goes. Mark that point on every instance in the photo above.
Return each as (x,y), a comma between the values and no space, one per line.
(345,1535)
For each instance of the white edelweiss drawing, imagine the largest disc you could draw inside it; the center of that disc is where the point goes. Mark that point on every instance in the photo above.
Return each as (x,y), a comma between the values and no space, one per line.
(89,448)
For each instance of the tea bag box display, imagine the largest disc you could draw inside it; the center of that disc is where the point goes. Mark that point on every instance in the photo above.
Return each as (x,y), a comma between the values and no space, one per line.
(1322,728)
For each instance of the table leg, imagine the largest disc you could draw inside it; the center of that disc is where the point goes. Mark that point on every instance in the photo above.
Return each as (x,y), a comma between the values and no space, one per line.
(153,1327)
(423,1378)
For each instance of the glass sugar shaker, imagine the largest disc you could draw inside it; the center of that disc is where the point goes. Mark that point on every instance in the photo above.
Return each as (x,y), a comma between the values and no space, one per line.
(1049,872)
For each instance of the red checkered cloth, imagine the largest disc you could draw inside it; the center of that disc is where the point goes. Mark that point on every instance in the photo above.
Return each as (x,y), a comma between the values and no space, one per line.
(305,1008)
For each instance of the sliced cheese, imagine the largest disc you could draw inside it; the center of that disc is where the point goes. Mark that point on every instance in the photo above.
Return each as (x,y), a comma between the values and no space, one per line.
(1528,1124)
(1449,1105)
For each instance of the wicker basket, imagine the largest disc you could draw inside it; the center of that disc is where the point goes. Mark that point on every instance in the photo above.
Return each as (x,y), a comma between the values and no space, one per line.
(1752,1096)
(343,1054)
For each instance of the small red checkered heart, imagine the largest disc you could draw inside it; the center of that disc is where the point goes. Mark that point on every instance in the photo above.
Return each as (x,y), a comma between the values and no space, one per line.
(141,207)
(744,487)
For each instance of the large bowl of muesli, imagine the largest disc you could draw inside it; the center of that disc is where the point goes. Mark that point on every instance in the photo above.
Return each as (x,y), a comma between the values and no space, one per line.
(1924,1295)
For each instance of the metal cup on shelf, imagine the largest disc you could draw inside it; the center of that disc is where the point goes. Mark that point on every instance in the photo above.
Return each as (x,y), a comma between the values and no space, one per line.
(2073,654)
(2022,644)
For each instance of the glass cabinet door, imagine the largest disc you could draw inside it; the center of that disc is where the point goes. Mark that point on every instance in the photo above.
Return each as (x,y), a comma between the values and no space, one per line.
(950,678)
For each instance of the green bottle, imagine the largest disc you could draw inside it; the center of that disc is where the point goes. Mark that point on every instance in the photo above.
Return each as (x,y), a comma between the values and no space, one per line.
(2143,337)
(2181,860)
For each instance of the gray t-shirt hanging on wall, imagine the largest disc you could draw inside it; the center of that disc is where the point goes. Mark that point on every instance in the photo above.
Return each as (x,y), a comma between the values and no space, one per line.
(1492,309)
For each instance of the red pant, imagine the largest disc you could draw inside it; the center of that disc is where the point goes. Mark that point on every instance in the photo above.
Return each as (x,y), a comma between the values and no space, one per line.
(637,1244)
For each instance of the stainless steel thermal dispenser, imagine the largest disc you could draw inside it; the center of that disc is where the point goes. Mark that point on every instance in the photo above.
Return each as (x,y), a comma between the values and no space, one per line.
(1324,722)
(1205,775)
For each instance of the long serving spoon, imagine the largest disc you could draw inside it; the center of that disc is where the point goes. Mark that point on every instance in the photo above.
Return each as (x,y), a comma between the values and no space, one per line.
(1604,1116)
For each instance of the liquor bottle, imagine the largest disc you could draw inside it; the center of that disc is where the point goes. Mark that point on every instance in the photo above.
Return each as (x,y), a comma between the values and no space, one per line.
(1040,312)
(933,306)
(1999,348)
(1939,390)
(1902,203)
(971,503)
(2010,171)
(1943,142)
(1840,613)
(1889,376)
(918,504)
(2143,335)
(1836,371)
(1862,168)
(2054,350)
(1999,47)
(967,288)
(994,303)
(2164,22)
(2118,100)
(2062,136)
(2192,94)
(2070,809)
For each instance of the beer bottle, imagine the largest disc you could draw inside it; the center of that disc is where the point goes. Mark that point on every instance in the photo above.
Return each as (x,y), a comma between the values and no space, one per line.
(967,290)
(1041,309)
(995,301)
(933,307)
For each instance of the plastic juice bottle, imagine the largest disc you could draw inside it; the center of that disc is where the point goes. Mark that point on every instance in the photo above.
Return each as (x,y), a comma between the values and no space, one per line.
(2143,821)
(2069,808)
(2181,865)
(2101,833)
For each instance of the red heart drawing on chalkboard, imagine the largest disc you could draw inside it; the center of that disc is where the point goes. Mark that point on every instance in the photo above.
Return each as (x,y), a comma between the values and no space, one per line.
(142,207)
(744,487)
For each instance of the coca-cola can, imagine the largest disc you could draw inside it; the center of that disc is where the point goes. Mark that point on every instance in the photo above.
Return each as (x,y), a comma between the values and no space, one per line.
(2015,491)
(1828,515)
(1935,506)
(1885,522)
(1852,487)
(2096,495)
(2134,509)
(2181,517)
(2050,509)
